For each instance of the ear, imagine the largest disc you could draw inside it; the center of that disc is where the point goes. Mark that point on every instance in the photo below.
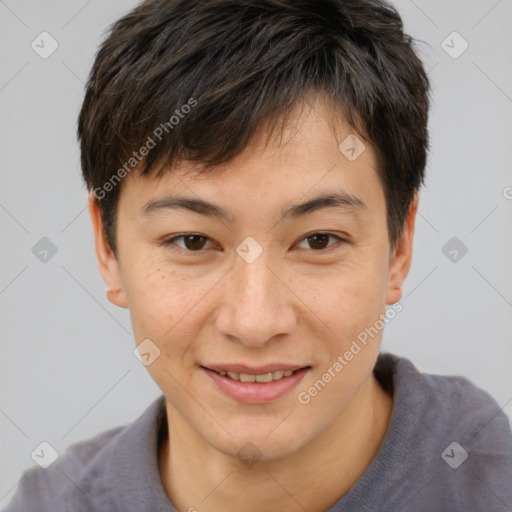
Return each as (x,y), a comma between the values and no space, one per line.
(402,257)
(107,262)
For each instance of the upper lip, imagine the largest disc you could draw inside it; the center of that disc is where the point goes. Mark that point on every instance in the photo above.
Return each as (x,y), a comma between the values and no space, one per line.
(254,370)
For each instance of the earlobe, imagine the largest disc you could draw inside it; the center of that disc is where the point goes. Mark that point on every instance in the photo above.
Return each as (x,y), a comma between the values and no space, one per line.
(401,260)
(108,264)
(117,297)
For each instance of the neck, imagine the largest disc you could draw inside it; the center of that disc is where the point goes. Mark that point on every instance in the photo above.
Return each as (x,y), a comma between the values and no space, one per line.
(197,475)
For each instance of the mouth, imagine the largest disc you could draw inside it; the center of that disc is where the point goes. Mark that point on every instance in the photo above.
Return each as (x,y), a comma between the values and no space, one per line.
(256,385)
(269,376)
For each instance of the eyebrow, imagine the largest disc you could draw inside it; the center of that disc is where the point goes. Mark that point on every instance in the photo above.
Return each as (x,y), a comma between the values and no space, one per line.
(341,199)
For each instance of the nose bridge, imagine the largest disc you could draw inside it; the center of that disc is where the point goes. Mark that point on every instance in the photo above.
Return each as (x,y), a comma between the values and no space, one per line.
(252,277)
(254,281)
(255,308)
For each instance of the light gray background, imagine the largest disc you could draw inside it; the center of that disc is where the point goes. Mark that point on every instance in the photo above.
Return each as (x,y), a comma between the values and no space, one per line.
(67,369)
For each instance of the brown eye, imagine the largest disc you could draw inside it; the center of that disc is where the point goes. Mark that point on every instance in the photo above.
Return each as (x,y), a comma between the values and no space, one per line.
(191,242)
(320,241)
(194,242)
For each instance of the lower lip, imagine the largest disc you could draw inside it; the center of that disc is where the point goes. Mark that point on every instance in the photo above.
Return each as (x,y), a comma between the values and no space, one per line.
(256,392)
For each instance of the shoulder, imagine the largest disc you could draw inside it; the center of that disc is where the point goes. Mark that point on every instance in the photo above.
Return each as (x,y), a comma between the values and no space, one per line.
(463,408)
(60,487)
(39,488)
(455,437)
(450,402)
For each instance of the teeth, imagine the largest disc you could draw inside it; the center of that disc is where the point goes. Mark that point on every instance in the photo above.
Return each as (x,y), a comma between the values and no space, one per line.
(264,377)
(267,377)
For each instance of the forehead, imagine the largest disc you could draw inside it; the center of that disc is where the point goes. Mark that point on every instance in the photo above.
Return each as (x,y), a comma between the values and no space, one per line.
(315,152)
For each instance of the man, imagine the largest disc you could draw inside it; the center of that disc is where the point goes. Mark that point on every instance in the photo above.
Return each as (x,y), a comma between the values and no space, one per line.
(254,171)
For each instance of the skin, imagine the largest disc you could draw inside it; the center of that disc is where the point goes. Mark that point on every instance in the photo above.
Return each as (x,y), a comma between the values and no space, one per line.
(298,302)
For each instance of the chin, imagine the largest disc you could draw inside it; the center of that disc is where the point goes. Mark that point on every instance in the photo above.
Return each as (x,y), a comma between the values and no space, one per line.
(261,444)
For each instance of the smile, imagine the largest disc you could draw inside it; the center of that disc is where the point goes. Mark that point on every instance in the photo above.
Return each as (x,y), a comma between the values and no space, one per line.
(262,377)
(256,388)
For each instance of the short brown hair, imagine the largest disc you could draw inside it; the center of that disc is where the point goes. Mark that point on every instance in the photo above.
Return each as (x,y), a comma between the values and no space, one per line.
(245,63)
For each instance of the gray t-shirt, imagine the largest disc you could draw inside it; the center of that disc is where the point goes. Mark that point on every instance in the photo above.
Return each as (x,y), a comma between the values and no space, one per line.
(418,466)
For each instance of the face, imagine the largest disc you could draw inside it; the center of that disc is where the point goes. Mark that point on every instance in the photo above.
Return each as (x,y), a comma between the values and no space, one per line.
(262,283)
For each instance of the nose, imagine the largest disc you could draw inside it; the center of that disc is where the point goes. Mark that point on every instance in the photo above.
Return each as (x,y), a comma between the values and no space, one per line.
(257,306)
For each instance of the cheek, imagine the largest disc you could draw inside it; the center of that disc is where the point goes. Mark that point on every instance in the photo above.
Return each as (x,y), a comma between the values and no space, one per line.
(157,298)
(167,304)
(165,308)
(346,298)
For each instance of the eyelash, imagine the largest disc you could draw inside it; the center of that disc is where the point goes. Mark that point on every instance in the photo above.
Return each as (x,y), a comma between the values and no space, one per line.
(171,241)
